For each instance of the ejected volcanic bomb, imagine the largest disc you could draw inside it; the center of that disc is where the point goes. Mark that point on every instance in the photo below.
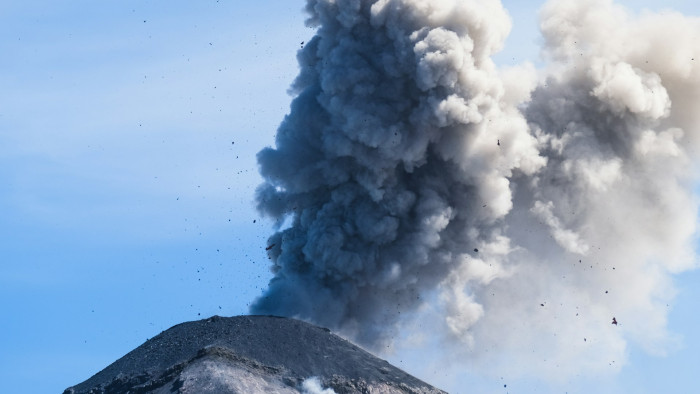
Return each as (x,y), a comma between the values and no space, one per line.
(520,209)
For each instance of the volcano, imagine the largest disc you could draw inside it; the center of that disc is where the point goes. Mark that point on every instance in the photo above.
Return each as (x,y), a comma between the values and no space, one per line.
(250,354)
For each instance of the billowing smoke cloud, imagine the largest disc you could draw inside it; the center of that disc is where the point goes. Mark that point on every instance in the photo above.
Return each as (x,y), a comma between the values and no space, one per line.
(522,213)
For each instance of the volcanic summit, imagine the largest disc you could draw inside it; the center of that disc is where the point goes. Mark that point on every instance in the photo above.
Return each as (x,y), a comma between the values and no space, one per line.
(250,354)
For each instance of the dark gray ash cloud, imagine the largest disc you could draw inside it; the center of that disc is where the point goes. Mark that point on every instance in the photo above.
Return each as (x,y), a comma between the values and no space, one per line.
(519,210)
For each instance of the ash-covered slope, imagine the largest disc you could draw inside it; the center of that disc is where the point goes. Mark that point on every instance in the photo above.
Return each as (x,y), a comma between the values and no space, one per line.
(249,354)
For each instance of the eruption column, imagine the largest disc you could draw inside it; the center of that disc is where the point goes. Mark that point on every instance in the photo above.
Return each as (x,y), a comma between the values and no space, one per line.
(411,171)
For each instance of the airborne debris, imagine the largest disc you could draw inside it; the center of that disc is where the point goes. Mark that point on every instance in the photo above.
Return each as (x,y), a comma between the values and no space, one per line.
(270,247)
(614,321)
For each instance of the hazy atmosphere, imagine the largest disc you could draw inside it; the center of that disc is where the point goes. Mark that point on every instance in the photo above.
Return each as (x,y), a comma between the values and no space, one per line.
(496,196)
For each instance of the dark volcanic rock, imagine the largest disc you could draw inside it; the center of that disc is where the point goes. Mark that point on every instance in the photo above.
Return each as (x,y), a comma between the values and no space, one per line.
(249,354)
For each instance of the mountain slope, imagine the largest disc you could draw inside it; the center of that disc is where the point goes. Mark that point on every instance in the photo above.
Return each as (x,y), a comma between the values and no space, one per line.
(249,354)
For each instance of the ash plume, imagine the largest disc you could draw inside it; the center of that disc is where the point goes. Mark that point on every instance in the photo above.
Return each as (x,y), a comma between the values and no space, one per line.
(521,212)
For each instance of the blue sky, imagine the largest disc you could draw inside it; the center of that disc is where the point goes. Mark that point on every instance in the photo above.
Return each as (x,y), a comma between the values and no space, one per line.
(128,134)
